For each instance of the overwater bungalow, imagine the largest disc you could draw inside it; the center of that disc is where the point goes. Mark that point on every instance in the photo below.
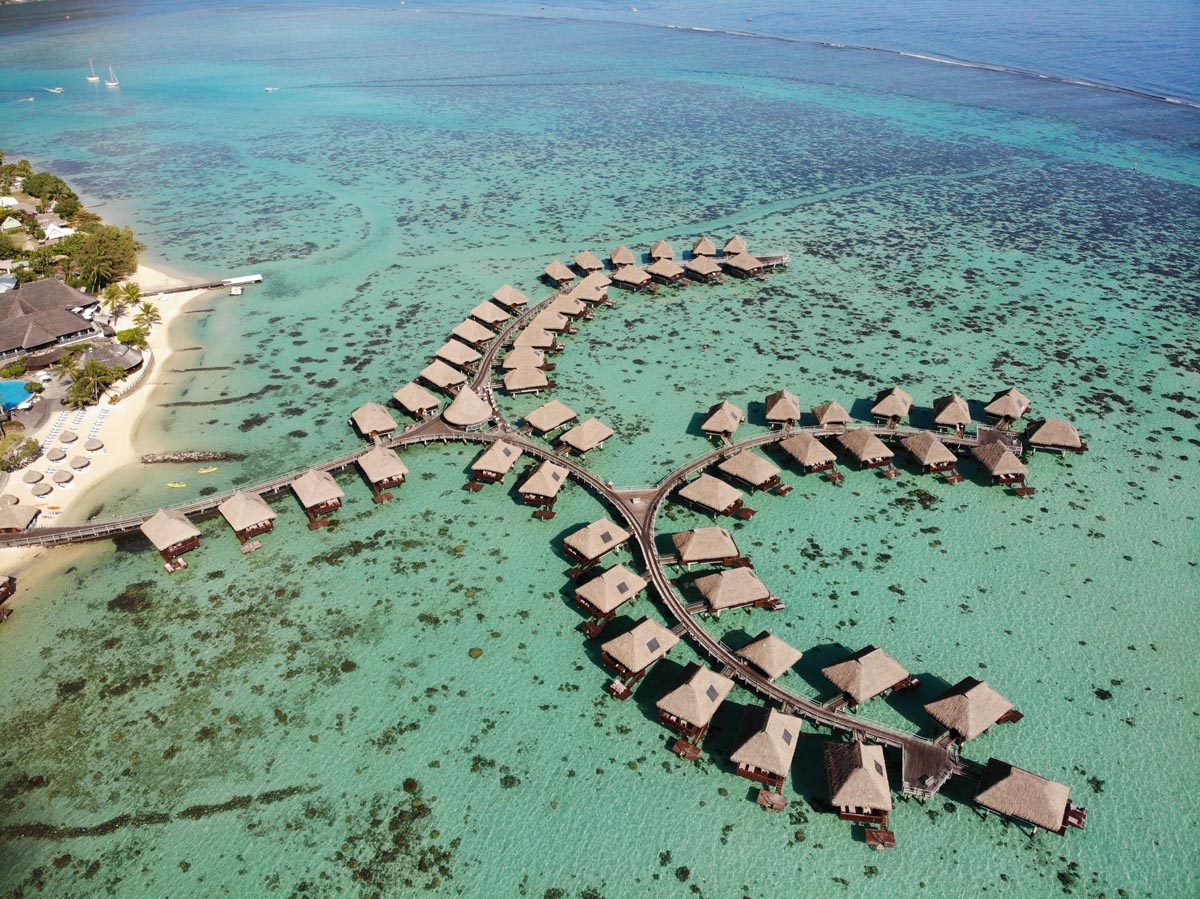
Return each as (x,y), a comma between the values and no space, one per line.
(172,535)
(15,518)
(689,708)
(723,420)
(588,262)
(735,588)
(526,380)
(444,377)
(472,333)
(970,707)
(373,420)
(783,409)
(548,320)
(766,745)
(591,293)
(468,411)
(458,354)
(416,400)
(865,447)
(490,314)
(1054,434)
(621,257)
(600,597)
(666,271)
(704,247)
(1024,796)
(538,338)
(1007,406)
(558,274)
(586,436)
(590,544)
(660,249)
(701,546)
(493,464)
(952,413)
(630,655)
(867,674)
(743,265)
(858,787)
(770,655)
(754,472)
(550,417)
(383,469)
(930,453)
(707,494)
(319,494)
(597,280)
(831,415)
(542,487)
(1003,465)
(570,306)
(630,277)
(249,515)
(704,269)
(809,452)
(524,357)
(891,406)
(510,298)
(736,245)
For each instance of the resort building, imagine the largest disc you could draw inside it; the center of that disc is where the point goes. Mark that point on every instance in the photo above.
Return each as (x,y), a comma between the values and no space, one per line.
(373,420)
(416,400)
(630,655)
(929,452)
(441,376)
(383,469)
(526,380)
(495,462)
(1001,463)
(743,265)
(665,271)
(858,786)
(537,338)
(708,494)
(734,588)
(43,314)
(689,708)
(703,269)
(468,411)
(548,320)
(472,333)
(736,245)
(809,452)
(319,494)
(523,357)
(621,257)
(172,535)
(867,674)
(550,417)
(558,274)
(865,447)
(542,487)
(704,247)
(490,314)
(510,298)
(1007,406)
(458,354)
(600,597)
(586,436)
(248,514)
(1054,434)
(755,472)
(723,420)
(597,281)
(891,406)
(570,306)
(660,249)
(952,413)
(831,415)
(588,262)
(770,655)
(970,707)
(783,409)
(630,277)
(1024,796)
(766,745)
(590,544)
(706,546)
(15,517)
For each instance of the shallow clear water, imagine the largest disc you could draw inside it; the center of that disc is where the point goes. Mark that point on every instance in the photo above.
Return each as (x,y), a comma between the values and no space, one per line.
(13,393)
(257,717)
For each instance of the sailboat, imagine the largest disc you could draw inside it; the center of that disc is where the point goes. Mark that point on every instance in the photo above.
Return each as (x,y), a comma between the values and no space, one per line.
(93,78)
(112,79)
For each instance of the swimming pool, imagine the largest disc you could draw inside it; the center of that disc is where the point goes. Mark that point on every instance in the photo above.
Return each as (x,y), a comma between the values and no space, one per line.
(13,393)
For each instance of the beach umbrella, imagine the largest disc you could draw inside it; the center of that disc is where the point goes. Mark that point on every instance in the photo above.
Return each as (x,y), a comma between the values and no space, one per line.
(8,500)
(63,477)
(94,445)
(68,437)
(80,462)
(32,477)
(56,455)
(42,489)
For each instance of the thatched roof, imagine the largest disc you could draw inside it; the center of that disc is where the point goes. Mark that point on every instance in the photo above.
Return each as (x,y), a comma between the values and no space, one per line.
(587,435)
(316,487)
(497,458)
(1021,794)
(457,353)
(866,674)
(951,411)
(640,647)
(596,280)
(586,293)
(744,262)
(969,707)
(704,247)
(622,255)
(18,517)
(1010,404)
(509,296)
(473,332)
(547,479)
(857,776)
(245,510)
(735,245)
(927,449)
(771,742)
(770,655)
(704,545)
(567,305)
(549,416)
(597,538)
(370,418)
(525,379)
(892,403)
(589,261)
(490,314)
(165,528)
(665,268)
(831,413)
(697,699)
(731,588)
(439,374)
(523,357)
(467,409)
(1053,432)
(660,249)
(414,398)
(864,445)
(556,271)
(750,467)
(704,266)
(632,275)
(537,337)
(711,493)
(807,450)
(549,320)
(723,418)
(998,460)
(783,406)
(612,589)
(381,464)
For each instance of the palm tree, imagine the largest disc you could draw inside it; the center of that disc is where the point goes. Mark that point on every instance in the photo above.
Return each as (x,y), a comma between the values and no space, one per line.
(113,302)
(132,292)
(66,368)
(92,380)
(147,316)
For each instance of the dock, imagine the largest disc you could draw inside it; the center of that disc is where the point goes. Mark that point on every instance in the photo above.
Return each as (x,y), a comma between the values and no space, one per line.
(239,281)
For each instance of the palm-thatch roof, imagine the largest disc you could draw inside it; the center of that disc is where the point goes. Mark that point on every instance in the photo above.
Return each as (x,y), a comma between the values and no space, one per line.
(770,655)
(866,674)
(927,449)
(951,411)
(596,280)
(704,266)
(549,416)
(457,353)
(612,589)
(807,450)
(666,269)
(549,320)
(246,510)
(697,699)
(743,262)
(771,743)
(556,271)
(1053,432)
(704,545)
(704,247)
(586,292)
(660,249)
(735,245)
(509,296)
(999,461)
(831,413)
(863,445)
(621,256)
(588,261)
(546,481)
(536,337)
(566,304)
(643,645)
(467,410)
(711,493)
(372,418)
(523,357)
(783,406)
(473,332)
(497,458)
(723,418)
(439,374)
(490,314)
(316,487)
(751,468)
(596,539)
(380,464)
(857,776)
(415,399)
(631,276)
(1021,794)
(17,517)
(587,435)
(892,403)
(1008,404)
(731,588)
(518,379)
(969,707)
(165,528)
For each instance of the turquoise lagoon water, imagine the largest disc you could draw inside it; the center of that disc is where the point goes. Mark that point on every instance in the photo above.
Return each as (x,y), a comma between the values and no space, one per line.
(262,724)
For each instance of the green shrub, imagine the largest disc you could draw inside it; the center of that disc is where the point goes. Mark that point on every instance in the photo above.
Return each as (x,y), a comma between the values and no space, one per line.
(17,451)
(35,386)
(13,370)
(134,337)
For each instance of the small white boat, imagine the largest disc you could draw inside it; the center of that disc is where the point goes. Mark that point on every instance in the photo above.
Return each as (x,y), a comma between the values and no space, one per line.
(112,79)
(54,90)
(93,78)
(236,291)
(271,90)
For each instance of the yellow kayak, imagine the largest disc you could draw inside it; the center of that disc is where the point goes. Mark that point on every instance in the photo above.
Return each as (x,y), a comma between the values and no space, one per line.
(209,470)
(176,484)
